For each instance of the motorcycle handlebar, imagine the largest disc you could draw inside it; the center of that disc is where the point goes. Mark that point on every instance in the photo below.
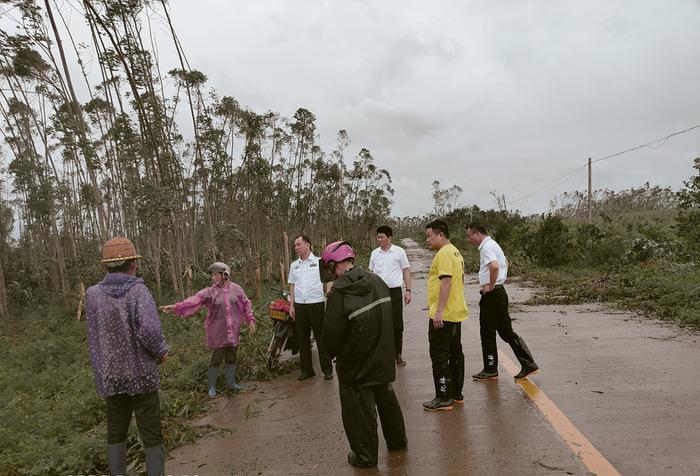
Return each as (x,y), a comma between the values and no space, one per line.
(282,293)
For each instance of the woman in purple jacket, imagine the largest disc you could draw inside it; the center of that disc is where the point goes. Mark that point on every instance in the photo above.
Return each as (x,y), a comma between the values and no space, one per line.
(228,307)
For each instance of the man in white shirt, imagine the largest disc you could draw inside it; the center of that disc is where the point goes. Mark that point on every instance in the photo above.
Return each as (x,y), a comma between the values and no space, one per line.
(308,307)
(390,263)
(493,307)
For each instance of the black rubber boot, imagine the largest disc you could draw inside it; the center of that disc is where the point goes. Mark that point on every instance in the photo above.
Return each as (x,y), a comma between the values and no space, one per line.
(155,460)
(443,391)
(116,458)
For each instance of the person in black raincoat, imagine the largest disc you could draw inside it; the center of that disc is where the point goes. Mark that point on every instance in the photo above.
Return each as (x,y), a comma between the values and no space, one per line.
(358,332)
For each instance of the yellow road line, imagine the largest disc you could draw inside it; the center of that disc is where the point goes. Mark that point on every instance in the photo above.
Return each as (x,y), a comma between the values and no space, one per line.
(578,443)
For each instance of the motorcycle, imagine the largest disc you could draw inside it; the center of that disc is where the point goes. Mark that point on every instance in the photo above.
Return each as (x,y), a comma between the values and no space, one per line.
(283,337)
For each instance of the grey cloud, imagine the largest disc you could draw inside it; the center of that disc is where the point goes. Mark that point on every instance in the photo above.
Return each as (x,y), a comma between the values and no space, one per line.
(504,96)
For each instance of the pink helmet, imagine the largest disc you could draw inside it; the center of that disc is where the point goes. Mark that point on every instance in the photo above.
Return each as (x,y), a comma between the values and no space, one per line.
(337,252)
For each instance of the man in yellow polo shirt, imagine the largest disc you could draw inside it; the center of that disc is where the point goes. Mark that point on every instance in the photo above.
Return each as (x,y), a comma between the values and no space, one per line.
(446,310)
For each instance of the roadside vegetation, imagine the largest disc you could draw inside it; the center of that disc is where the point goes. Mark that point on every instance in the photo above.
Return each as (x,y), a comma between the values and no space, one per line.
(53,420)
(640,252)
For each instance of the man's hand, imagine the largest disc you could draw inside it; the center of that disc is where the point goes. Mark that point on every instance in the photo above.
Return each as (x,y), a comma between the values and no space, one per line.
(486,288)
(437,321)
(251,328)
(292,313)
(164,358)
(169,309)
(407,297)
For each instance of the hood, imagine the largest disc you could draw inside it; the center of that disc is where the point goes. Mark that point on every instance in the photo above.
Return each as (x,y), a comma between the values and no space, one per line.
(355,281)
(117,285)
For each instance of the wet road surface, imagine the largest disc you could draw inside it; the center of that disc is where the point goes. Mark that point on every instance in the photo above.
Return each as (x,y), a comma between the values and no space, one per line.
(629,386)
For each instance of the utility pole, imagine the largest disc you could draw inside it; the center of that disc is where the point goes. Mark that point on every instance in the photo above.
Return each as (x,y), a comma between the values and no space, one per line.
(590,192)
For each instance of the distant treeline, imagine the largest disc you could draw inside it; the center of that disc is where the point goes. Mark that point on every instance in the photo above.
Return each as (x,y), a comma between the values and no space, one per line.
(606,202)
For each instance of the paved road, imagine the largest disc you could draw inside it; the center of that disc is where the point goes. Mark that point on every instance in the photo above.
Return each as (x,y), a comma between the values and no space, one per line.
(628,386)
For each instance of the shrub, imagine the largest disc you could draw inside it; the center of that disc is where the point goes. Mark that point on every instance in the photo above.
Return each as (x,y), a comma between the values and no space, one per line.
(549,245)
(689,212)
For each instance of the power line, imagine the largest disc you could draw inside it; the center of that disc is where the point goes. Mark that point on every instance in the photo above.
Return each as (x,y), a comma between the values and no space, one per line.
(649,145)
(655,144)
(550,185)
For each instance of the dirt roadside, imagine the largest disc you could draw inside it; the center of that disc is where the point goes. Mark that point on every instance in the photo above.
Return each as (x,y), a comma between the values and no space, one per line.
(628,384)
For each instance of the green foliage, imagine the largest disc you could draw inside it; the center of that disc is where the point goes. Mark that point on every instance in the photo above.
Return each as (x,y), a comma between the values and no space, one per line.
(549,245)
(689,212)
(656,287)
(53,422)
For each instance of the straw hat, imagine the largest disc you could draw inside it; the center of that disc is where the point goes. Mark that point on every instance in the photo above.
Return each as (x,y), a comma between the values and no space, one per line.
(118,249)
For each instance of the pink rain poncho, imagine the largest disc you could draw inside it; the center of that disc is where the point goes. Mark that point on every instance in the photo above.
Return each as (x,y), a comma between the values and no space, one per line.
(228,307)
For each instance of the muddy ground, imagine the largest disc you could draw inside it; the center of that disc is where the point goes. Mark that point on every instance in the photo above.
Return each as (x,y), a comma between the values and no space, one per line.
(629,384)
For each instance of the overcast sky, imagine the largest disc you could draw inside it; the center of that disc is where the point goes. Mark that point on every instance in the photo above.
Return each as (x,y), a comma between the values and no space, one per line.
(492,96)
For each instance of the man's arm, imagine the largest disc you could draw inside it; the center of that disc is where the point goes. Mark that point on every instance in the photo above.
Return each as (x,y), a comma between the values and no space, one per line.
(407,283)
(291,300)
(493,276)
(149,332)
(445,287)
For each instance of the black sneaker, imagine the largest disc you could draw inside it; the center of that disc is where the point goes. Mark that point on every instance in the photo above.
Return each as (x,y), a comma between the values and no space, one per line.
(356,462)
(458,399)
(328,376)
(305,375)
(484,375)
(527,370)
(437,404)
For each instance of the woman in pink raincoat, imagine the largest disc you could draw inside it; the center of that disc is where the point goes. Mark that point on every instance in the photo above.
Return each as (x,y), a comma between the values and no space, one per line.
(228,307)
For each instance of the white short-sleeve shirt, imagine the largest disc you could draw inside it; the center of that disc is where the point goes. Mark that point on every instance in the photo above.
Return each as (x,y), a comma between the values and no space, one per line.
(490,251)
(306,278)
(389,265)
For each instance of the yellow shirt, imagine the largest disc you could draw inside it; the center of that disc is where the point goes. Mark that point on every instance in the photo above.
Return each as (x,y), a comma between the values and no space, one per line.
(447,262)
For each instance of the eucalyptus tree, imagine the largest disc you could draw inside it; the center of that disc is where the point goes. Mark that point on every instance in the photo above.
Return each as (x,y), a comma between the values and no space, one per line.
(304,134)
(103,153)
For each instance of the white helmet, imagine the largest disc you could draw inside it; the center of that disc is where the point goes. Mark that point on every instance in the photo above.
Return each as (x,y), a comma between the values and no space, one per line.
(220,267)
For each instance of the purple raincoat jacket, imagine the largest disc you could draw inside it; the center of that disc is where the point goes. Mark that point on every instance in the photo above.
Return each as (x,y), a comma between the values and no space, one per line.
(228,307)
(125,337)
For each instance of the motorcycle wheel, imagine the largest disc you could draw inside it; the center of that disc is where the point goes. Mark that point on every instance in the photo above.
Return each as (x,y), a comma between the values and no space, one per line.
(275,351)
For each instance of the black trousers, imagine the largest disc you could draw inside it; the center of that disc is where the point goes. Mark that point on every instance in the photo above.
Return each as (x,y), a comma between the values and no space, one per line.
(494,318)
(147,409)
(359,406)
(227,354)
(397,310)
(447,358)
(307,317)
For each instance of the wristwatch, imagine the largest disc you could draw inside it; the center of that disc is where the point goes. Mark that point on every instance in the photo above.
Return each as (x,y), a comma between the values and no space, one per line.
(408,290)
